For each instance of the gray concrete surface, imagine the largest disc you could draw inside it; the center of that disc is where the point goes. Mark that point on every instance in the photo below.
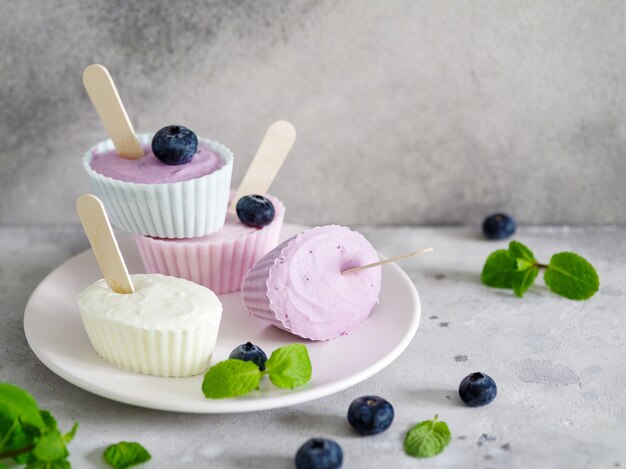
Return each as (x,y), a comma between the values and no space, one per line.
(559,366)
(408,111)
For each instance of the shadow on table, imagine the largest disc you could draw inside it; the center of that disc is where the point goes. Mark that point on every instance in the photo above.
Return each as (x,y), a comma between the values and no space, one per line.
(447,397)
(316,425)
(96,458)
(445,275)
(263,462)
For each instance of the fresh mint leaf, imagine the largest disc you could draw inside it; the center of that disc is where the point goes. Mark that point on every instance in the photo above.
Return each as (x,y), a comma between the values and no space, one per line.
(231,378)
(25,456)
(571,276)
(15,402)
(29,435)
(126,454)
(524,279)
(14,437)
(499,269)
(427,438)
(289,366)
(50,447)
(37,464)
(523,256)
(50,423)
(69,436)
(568,274)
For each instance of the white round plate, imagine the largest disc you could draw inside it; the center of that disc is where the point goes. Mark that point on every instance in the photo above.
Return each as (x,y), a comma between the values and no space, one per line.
(56,334)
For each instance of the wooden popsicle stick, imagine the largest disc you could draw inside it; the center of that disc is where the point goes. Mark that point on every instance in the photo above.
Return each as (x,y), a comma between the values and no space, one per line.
(269,157)
(109,106)
(98,229)
(388,261)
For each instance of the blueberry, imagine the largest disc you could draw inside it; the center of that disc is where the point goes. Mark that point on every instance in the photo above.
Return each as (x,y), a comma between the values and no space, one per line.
(477,390)
(255,210)
(498,226)
(174,144)
(249,352)
(370,415)
(319,453)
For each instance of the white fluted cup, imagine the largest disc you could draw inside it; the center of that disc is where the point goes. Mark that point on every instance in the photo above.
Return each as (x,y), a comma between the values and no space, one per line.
(183,209)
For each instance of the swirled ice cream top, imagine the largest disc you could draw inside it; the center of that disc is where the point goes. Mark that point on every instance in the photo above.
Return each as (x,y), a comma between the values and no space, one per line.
(158,303)
(307,291)
(150,170)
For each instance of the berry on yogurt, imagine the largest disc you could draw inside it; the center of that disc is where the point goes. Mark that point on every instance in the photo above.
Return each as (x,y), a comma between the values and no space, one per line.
(255,210)
(174,144)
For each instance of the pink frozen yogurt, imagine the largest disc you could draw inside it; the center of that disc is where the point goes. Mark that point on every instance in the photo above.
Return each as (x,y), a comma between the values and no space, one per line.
(299,287)
(150,170)
(218,261)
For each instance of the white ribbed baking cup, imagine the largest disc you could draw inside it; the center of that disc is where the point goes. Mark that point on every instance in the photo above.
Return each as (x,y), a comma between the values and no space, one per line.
(217,265)
(185,209)
(152,352)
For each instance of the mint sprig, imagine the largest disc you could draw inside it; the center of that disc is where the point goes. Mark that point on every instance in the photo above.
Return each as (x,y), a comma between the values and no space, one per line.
(523,279)
(572,276)
(499,269)
(427,438)
(126,454)
(288,367)
(567,274)
(231,378)
(30,435)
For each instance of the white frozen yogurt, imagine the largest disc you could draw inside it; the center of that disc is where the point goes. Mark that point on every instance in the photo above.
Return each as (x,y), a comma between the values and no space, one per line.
(167,327)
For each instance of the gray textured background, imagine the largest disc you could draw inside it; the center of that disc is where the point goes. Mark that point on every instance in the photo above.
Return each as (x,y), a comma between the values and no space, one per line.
(408,112)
